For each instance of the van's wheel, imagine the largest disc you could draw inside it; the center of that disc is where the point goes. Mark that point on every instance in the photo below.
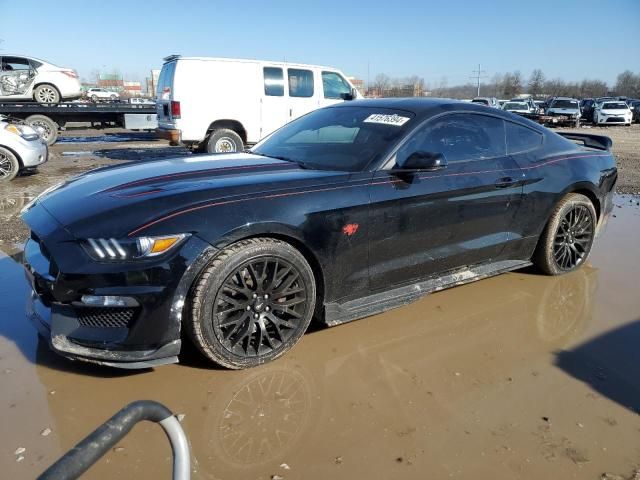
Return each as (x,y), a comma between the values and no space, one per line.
(224,141)
(566,241)
(252,303)
(9,165)
(46,93)
(48,127)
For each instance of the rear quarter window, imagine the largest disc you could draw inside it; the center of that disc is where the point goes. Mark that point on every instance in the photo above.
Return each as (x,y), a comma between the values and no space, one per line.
(521,139)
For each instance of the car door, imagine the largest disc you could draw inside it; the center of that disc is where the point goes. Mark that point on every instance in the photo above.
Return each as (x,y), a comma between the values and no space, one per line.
(423,223)
(273,102)
(16,76)
(302,92)
(334,88)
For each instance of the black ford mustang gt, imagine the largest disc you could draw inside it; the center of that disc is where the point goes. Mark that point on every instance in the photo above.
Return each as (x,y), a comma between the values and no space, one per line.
(343,213)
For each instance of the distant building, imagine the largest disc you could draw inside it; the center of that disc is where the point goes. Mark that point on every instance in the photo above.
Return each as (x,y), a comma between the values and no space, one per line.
(132,89)
(111,82)
(358,83)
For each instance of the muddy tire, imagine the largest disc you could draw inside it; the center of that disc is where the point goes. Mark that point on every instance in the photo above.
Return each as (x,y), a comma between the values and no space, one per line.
(224,141)
(9,165)
(566,240)
(252,303)
(46,93)
(50,127)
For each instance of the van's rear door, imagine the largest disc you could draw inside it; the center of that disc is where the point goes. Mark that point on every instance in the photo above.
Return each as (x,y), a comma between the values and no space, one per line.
(164,95)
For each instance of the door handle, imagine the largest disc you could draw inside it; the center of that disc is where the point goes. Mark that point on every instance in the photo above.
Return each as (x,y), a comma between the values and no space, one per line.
(505,182)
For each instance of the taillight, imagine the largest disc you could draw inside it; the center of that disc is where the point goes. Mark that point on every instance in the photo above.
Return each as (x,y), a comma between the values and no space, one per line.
(175,109)
(70,73)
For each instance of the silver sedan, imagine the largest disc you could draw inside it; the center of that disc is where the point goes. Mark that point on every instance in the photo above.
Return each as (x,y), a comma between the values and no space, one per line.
(21,147)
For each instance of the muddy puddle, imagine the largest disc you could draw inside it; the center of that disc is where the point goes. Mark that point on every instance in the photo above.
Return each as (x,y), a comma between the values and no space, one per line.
(517,376)
(70,138)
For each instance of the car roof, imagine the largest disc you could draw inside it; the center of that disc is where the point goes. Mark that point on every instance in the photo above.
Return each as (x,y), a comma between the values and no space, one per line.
(426,107)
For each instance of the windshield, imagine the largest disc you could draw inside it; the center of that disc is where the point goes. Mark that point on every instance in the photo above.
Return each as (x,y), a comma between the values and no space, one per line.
(339,138)
(615,106)
(565,104)
(515,106)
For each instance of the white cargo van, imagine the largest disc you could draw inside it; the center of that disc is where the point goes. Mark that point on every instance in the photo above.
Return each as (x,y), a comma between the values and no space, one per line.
(223,104)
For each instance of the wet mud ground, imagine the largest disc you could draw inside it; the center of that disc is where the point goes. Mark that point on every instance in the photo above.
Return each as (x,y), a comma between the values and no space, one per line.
(516,376)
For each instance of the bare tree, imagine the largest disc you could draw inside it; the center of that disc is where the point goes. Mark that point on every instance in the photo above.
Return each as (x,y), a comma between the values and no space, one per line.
(496,84)
(593,88)
(536,83)
(381,84)
(512,84)
(628,84)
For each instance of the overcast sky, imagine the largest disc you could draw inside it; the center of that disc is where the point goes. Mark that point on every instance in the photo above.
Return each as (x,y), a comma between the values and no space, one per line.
(572,39)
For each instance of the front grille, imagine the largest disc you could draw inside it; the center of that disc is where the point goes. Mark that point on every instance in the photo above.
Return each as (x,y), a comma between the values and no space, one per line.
(615,119)
(105,317)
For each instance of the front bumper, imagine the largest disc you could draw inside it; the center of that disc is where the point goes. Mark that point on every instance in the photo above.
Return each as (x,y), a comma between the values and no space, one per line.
(36,154)
(143,334)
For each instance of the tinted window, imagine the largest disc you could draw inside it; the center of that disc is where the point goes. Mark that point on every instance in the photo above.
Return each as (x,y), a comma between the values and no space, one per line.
(334,85)
(15,63)
(460,137)
(615,106)
(565,104)
(344,138)
(300,83)
(521,139)
(273,82)
(165,81)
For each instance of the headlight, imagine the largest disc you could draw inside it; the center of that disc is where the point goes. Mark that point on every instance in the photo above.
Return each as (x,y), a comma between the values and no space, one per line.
(112,250)
(24,131)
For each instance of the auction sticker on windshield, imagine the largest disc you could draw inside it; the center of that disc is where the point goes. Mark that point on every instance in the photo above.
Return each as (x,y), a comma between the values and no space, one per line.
(394,119)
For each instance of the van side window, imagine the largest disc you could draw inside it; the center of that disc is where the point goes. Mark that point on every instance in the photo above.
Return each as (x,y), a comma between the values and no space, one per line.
(273,82)
(300,83)
(334,85)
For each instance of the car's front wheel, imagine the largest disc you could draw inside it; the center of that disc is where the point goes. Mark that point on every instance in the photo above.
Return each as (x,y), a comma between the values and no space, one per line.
(252,303)
(566,241)
(9,165)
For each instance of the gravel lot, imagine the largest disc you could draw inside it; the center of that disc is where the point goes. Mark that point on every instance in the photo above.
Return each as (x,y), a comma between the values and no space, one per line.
(80,150)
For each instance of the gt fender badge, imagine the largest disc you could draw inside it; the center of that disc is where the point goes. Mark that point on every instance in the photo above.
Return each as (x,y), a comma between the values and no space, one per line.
(350,228)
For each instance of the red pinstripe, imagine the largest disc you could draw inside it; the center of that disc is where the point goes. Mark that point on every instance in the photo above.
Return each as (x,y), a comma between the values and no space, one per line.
(288,194)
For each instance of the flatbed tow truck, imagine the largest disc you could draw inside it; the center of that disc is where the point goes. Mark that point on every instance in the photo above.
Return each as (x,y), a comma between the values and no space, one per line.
(54,117)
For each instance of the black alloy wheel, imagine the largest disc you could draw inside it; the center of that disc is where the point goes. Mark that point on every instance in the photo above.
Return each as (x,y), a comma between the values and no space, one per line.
(259,307)
(252,303)
(566,241)
(573,238)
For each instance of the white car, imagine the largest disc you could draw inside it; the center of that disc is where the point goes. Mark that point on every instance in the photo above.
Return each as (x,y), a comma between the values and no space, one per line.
(21,147)
(517,107)
(612,112)
(97,94)
(27,78)
(222,104)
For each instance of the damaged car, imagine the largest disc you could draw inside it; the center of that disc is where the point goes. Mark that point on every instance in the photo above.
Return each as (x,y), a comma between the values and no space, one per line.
(341,214)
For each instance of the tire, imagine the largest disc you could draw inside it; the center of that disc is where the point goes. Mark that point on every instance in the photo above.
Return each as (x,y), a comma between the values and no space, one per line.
(238,314)
(94,98)
(113,98)
(9,165)
(46,93)
(567,239)
(47,124)
(224,141)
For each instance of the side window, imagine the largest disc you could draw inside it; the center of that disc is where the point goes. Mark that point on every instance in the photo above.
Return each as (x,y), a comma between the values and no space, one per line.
(334,85)
(460,137)
(521,139)
(300,83)
(15,63)
(273,82)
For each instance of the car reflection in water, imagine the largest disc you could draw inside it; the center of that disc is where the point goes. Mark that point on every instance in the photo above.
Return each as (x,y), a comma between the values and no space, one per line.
(319,402)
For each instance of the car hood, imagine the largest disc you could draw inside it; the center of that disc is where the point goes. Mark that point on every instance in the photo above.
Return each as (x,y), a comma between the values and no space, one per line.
(114,200)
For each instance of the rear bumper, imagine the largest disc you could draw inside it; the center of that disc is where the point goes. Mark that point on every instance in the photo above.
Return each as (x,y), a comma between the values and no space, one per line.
(173,135)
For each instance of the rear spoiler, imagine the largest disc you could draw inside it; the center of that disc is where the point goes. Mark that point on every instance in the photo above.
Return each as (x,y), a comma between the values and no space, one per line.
(594,141)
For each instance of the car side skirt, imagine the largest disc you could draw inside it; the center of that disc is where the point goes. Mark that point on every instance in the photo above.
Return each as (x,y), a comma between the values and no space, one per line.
(338,313)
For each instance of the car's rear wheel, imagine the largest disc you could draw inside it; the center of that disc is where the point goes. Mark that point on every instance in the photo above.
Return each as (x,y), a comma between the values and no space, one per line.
(252,303)
(9,165)
(94,98)
(566,241)
(224,141)
(46,93)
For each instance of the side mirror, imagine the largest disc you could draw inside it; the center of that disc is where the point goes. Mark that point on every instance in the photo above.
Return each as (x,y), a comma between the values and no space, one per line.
(352,95)
(424,161)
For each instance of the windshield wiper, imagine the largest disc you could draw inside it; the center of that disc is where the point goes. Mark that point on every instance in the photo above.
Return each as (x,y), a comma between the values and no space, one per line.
(300,163)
